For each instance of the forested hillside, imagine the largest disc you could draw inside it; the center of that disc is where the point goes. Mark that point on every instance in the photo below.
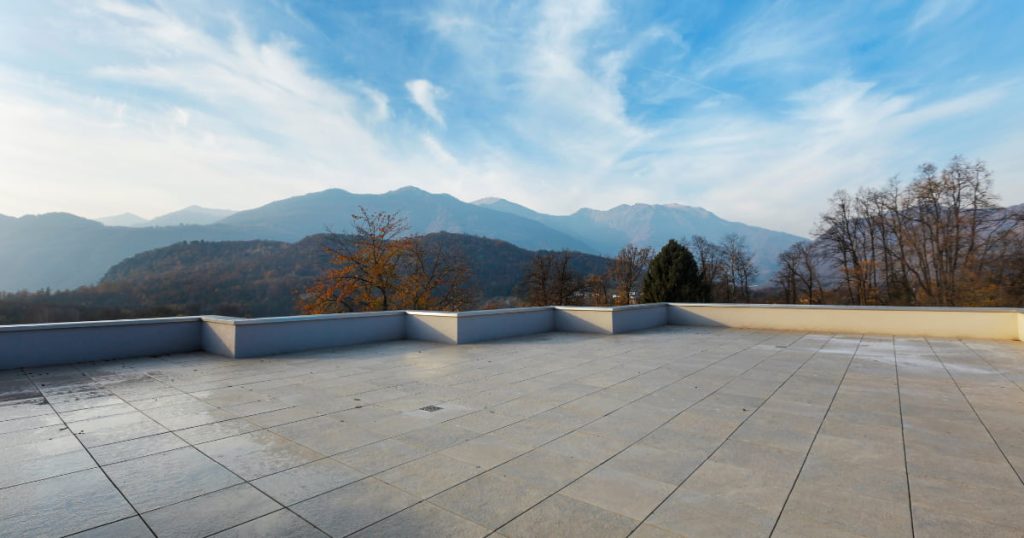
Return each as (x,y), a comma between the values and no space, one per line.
(248,278)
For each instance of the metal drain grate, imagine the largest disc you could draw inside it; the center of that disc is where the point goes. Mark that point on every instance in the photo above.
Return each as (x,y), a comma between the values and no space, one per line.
(431,408)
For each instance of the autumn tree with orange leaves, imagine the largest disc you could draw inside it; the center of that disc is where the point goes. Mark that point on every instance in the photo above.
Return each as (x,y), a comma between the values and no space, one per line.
(382,267)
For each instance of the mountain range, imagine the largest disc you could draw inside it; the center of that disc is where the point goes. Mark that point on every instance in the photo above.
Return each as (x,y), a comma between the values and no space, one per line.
(192,214)
(62,251)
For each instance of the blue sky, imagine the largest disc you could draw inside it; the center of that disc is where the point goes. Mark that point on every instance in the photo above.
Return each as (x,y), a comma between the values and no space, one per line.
(757,111)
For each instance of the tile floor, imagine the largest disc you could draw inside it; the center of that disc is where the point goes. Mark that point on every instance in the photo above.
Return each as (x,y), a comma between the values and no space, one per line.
(666,433)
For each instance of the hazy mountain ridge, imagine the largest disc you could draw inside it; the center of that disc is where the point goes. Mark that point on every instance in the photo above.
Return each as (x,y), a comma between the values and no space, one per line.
(293,218)
(653,225)
(190,215)
(63,251)
(124,219)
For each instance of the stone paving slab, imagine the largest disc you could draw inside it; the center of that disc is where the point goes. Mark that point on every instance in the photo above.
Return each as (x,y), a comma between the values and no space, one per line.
(672,432)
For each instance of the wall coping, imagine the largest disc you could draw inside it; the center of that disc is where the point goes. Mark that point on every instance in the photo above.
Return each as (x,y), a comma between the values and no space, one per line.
(98,323)
(224,320)
(1001,310)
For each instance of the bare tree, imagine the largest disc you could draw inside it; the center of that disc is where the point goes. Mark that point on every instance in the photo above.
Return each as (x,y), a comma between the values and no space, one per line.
(936,242)
(799,274)
(627,272)
(436,279)
(599,290)
(711,262)
(740,271)
(550,280)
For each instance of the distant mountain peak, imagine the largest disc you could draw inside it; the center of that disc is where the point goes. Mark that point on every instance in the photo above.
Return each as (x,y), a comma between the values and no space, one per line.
(488,200)
(190,215)
(409,189)
(124,219)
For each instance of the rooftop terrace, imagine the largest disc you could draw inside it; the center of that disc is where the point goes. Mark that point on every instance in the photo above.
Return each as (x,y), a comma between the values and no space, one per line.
(673,431)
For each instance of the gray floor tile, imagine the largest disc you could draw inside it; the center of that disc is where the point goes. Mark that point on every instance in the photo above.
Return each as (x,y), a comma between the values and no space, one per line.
(305,481)
(382,455)
(621,492)
(189,415)
(217,430)
(28,423)
(56,454)
(260,453)
(61,505)
(106,430)
(357,505)
(563,516)
(210,513)
(136,448)
(490,500)
(326,435)
(280,524)
(132,527)
(430,475)
(426,521)
(169,477)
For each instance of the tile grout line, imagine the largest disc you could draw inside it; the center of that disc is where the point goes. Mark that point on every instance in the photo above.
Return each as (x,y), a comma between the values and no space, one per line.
(205,455)
(712,393)
(188,444)
(532,449)
(992,366)
(815,438)
(93,458)
(729,436)
(427,500)
(975,411)
(174,432)
(903,436)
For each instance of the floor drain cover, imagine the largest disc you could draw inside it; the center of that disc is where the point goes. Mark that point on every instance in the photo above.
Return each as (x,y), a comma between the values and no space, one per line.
(431,408)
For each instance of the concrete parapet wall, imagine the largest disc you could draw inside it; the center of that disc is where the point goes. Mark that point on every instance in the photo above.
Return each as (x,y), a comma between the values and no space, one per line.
(483,325)
(584,319)
(440,327)
(638,317)
(48,344)
(270,336)
(974,323)
(62,343)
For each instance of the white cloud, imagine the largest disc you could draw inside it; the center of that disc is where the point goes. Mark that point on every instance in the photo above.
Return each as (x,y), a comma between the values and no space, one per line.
(237,120)
(933,11)
(257,126)
(425,94)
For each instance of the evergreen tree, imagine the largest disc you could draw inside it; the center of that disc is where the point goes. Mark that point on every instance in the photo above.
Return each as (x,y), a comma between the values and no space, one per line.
(673,276)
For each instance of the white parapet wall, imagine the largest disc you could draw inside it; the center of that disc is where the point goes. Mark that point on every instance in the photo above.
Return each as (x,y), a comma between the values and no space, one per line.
(979,323)
(584,319)
(48,344)
(484,325)
(241,338)
(440,327)
(62,343)
(638,317)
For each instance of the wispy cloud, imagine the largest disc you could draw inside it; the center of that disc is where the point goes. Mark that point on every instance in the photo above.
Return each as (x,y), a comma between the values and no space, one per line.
(425,94)
(932,11)
(757,114)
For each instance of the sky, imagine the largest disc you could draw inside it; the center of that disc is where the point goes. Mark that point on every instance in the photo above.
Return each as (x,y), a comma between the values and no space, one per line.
(757,111)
